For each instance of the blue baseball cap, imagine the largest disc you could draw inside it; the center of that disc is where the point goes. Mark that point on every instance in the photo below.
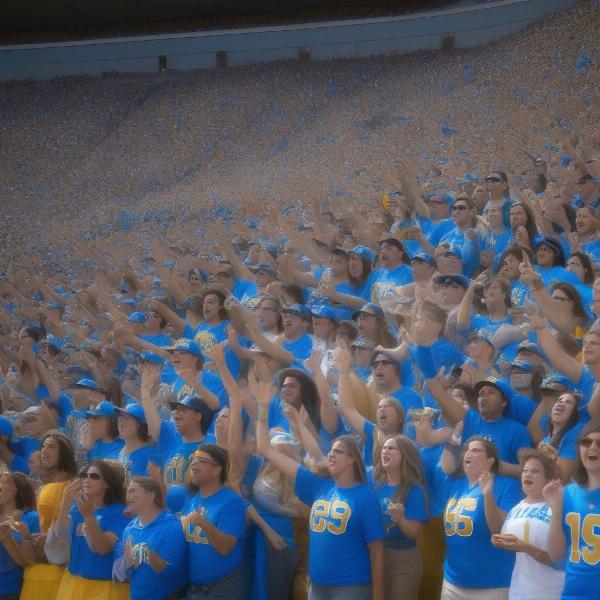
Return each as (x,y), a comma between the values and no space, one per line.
(461,280)
(364,253)
(196,403)
(369,309)
(557,383)
(424,257)
(104,409)
(89,384)
(324,311)
(137,317)
(530,347)
(298,310)
(484,336)
(134,410)
(6,427)
(186,345)
(524,365)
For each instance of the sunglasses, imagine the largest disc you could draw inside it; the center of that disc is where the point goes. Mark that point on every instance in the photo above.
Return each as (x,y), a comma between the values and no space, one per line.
(94,476)
(460,207)
(589,442)
(493,179)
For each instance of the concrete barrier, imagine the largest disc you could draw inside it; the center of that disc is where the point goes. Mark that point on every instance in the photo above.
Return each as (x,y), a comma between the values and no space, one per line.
(461,27)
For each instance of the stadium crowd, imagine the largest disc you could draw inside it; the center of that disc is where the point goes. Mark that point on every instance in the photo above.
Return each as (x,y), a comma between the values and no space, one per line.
(386,391)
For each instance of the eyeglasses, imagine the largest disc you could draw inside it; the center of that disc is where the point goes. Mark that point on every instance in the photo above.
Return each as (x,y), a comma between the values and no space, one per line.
(587,442)
(94,476)
(459,207)
(381,363)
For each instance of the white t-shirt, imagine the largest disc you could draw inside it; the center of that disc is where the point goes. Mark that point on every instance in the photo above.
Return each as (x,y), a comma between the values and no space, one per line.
(532,580)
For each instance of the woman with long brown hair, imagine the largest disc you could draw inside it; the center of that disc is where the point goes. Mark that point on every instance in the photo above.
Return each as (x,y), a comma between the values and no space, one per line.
(398,483)
(57,458)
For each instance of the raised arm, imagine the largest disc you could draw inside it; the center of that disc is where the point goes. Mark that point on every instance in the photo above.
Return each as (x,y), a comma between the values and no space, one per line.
(239,268)
(348,409)
(284,463)
(150,377)
(329,417)
(494,515)
(169,315)
(557,542)
(560,360)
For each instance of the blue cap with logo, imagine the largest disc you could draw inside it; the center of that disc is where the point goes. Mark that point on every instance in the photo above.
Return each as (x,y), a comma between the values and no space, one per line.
(104,409)
(325,312)
(188,346)
(369,309)
(364,253)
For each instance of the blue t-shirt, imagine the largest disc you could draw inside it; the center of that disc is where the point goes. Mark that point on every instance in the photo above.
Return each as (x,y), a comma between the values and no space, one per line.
(581,525)
(106,450)
(25,446)
(211,381)
(471,560)
(567,446)
(343,521)
(508,435)
(586,385)
(84,561)
(385,280)
(11,574)
(300,348)
(409,399)
(136,463)
(415,507)
(551,275)
(164,536)
(227,512)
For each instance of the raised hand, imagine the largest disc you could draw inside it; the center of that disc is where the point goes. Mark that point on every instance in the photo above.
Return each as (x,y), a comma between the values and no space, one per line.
(486,483)
(553,494)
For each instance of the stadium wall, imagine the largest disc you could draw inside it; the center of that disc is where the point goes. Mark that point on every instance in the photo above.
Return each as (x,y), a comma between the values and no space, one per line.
(460,27)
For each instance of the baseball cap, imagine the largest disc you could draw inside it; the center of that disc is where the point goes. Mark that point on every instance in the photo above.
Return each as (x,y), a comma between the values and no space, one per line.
(530,347)
(298,310)
(483,336)
(556,382)
(104,409)
(364,253)
(137,317)
(325,312)
(461,280)
(424,257)
(186,345)
(524,365)
(134,410)
(89,384)
(369,309)
(196,403)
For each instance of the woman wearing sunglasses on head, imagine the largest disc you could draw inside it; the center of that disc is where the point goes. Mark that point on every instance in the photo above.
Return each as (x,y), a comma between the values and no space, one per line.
(346,529)
(575,525)
(84,535)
